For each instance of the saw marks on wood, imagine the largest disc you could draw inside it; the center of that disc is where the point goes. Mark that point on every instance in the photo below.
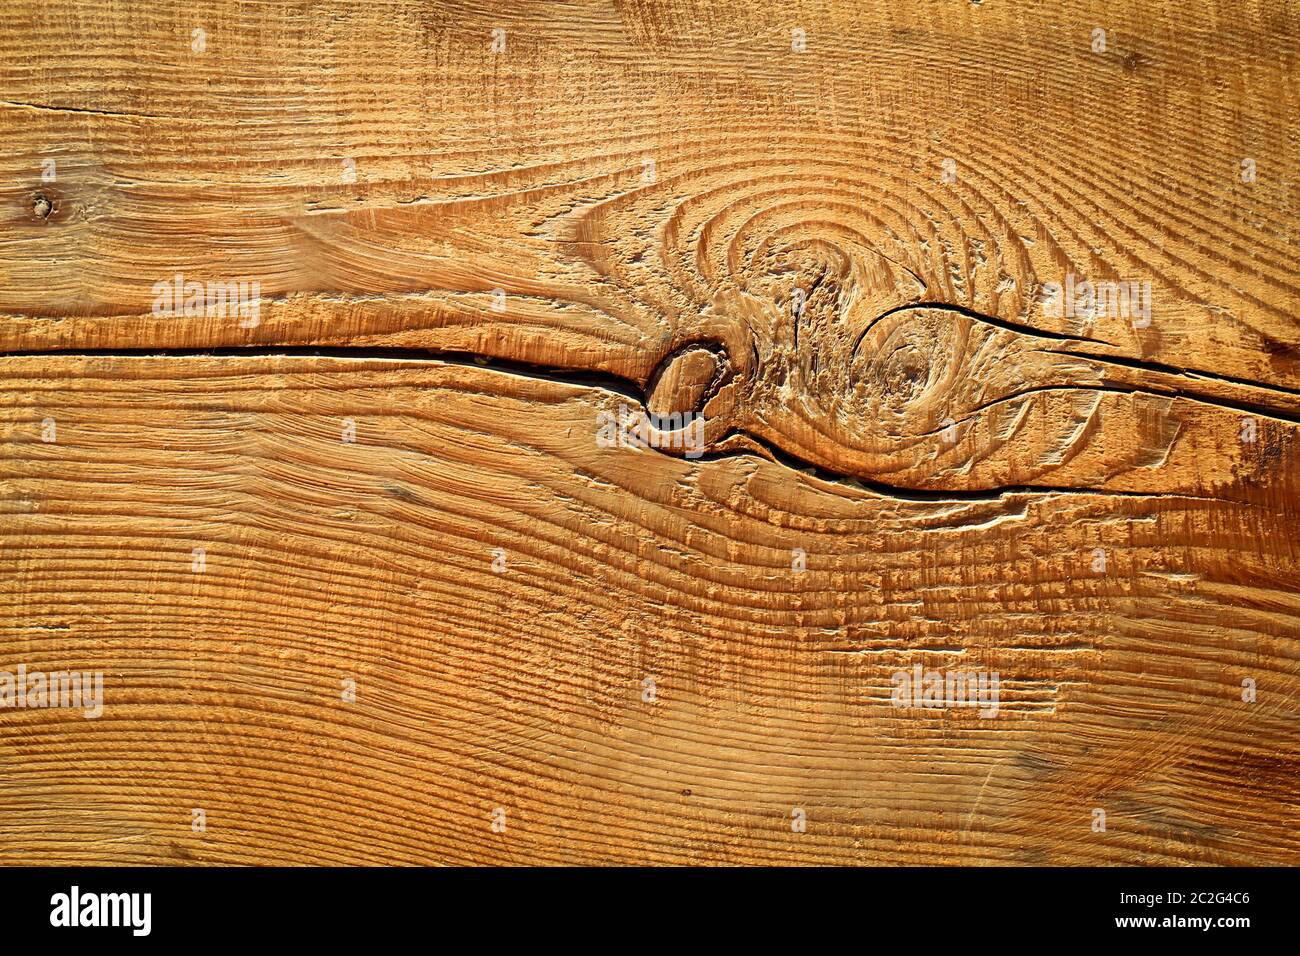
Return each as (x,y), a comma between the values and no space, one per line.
(963,337)
(524,688)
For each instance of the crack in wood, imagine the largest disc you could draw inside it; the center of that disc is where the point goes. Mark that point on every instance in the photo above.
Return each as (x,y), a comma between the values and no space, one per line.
(669,389)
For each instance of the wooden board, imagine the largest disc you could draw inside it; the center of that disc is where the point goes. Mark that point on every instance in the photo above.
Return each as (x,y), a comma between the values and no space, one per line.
(366,585)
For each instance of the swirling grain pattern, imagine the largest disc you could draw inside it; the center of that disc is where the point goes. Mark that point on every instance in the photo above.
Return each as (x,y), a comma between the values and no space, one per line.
(986,313)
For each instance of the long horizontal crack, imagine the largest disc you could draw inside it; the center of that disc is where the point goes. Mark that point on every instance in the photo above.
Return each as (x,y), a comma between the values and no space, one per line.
(921,494)
(1193,375)
(615,384)
(578,377)
(1154,391)
(978,317)
(1147,366)
(118,114)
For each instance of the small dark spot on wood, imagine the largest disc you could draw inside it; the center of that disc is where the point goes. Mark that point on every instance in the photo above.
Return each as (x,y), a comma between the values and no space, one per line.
(686,793)
(1132,61)
(42,207)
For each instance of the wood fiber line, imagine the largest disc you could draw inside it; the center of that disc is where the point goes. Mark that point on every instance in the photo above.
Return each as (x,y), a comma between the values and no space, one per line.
(841,256)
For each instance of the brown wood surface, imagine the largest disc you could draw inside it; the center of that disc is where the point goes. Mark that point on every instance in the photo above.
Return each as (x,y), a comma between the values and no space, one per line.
(839,255)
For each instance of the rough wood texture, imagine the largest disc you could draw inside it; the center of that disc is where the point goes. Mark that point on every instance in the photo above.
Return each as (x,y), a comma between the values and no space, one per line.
(842,256)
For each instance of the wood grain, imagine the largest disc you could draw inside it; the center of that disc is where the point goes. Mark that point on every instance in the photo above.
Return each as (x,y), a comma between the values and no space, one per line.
(841,257)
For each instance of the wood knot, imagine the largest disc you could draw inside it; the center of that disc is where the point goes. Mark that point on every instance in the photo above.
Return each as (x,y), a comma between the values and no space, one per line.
(694,391)
(42,207)
(904,374)
(910,362)
(685,380)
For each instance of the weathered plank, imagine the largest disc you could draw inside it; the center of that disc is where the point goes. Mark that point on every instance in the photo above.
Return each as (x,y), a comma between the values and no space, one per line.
(833,230)
(523,689)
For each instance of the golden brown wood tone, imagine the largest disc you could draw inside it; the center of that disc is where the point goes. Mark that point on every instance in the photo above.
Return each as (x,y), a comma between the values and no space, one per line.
(834,229)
